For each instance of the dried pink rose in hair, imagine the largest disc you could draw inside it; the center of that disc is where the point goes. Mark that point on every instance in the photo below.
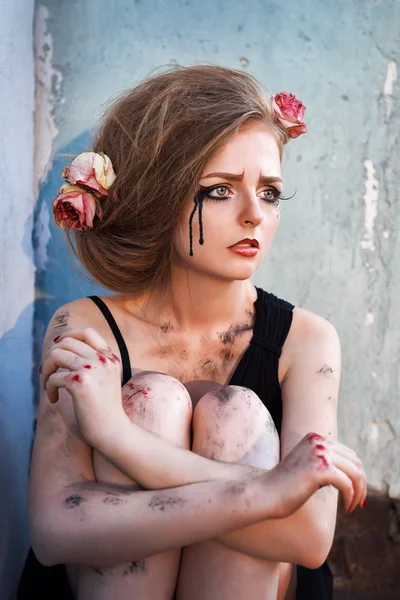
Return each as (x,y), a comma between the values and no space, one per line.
(91,169)
(290,111)
(74,208)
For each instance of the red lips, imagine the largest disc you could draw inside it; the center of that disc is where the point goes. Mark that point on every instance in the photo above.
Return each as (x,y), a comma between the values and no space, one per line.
(253,242)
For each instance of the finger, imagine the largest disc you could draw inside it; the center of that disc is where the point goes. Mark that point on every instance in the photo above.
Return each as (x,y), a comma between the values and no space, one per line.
(60,358)
(344,484)
(356,475)
(54,383)
(80,348)
(89,335)
(347,452)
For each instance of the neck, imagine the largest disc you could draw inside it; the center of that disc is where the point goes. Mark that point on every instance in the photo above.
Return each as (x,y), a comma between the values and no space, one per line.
(201,304)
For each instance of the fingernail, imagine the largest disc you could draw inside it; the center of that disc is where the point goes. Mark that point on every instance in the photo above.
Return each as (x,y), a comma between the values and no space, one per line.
(57,338)
(364,504)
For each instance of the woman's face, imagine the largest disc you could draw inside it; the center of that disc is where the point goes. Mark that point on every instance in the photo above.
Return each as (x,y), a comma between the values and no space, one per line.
(240,187)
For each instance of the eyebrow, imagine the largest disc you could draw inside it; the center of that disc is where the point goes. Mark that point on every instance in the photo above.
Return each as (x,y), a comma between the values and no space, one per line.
(264,179)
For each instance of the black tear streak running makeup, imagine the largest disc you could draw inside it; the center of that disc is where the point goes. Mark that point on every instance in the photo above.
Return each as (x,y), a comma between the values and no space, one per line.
(205,193)
(198,201)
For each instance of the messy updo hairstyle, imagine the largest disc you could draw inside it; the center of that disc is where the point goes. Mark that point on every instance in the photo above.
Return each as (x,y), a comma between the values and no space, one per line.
(159,136)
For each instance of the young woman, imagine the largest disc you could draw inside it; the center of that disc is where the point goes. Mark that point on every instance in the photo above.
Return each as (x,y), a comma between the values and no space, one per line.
(200,475)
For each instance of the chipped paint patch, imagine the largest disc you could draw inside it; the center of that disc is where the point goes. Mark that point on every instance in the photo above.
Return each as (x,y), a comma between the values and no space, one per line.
(48,89)
(42,237)
(391,76)
(369,319)
(371,206)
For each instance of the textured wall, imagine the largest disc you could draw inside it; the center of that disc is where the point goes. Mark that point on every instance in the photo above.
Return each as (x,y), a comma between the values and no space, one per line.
(338,251)
(16,282)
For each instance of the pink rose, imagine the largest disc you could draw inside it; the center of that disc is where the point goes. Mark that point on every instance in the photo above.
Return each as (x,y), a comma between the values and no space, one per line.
(290,111)
(75,208)
(91,169)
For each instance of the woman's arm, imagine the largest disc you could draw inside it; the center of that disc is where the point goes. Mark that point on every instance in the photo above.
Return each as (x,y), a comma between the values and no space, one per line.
(309,395)
(70,518)
(73,519)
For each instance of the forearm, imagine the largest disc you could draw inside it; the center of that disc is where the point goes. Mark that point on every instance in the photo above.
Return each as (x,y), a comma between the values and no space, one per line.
(303,538)
(156,463)
(99,525)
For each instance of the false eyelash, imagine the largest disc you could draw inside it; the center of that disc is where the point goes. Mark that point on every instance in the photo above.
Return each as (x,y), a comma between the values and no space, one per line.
(288,198)
(203,193)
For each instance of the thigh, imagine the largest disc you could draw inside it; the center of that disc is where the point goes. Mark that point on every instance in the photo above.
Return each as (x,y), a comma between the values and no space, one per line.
(160,404)
(230,424)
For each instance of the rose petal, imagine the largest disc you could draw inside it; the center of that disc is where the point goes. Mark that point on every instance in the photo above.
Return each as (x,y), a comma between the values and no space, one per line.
(92,169)
(74,208)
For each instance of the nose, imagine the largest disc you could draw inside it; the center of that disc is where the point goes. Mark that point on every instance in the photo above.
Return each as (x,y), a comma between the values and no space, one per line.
(251,213)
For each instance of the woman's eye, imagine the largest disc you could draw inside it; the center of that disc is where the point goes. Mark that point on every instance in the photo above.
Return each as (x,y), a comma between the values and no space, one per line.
(271,195)
(220,191)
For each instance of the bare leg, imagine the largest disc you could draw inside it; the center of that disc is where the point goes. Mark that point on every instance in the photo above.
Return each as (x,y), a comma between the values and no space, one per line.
(230,424)
(160,404)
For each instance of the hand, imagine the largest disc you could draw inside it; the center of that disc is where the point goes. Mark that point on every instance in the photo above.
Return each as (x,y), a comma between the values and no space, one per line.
(92,377)
(314,463)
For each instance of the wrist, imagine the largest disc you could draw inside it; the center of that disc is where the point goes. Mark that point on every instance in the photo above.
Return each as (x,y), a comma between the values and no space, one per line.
(110,439)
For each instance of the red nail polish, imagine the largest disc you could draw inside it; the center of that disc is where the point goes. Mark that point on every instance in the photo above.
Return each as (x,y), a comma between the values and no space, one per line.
(364,504)
(57,338)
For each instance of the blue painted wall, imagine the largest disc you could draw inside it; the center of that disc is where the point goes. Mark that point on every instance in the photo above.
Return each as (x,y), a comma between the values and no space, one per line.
(16,282)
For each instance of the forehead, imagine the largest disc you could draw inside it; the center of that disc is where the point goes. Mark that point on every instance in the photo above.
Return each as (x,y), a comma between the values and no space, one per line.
(252,148)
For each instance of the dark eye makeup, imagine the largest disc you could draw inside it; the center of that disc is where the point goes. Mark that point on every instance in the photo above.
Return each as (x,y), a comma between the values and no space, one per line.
(206,192)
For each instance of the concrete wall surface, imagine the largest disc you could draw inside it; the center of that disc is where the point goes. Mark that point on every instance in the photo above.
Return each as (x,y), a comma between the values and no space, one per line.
(16,282)
(337,252)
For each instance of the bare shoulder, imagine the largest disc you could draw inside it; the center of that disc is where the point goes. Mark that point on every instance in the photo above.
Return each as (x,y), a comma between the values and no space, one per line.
(308,327)
(79,314)
(310,337)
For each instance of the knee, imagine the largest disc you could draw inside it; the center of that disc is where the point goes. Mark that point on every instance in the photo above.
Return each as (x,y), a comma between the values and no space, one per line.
(227,403)
(231,423)
(158,402)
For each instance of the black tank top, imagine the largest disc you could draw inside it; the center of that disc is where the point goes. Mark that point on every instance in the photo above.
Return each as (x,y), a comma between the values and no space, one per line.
(258,371)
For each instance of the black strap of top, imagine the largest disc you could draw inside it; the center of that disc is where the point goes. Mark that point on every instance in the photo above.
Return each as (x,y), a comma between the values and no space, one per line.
(264,343)
(126,363)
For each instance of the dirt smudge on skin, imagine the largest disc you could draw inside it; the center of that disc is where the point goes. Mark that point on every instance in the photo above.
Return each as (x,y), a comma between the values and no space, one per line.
(166,327)
(325,370)
(227,356)
(136,566)
(74,501)
(162,502)
(224,394)
(114,501)
(229,336)
(60,319)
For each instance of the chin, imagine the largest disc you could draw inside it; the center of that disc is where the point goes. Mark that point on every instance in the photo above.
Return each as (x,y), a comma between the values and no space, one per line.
(236,273)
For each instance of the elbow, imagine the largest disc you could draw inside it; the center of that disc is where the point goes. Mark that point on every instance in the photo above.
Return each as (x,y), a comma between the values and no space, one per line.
(45,540)
(314,552)
(312,560)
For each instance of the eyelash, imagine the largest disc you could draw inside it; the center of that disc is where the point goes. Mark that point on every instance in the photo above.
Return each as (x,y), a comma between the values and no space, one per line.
(205,193)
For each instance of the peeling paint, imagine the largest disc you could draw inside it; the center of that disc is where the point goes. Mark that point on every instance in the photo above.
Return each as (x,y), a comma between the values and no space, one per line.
(371,206)
(48,88)
(42,237)
(391,76)
(369,319)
